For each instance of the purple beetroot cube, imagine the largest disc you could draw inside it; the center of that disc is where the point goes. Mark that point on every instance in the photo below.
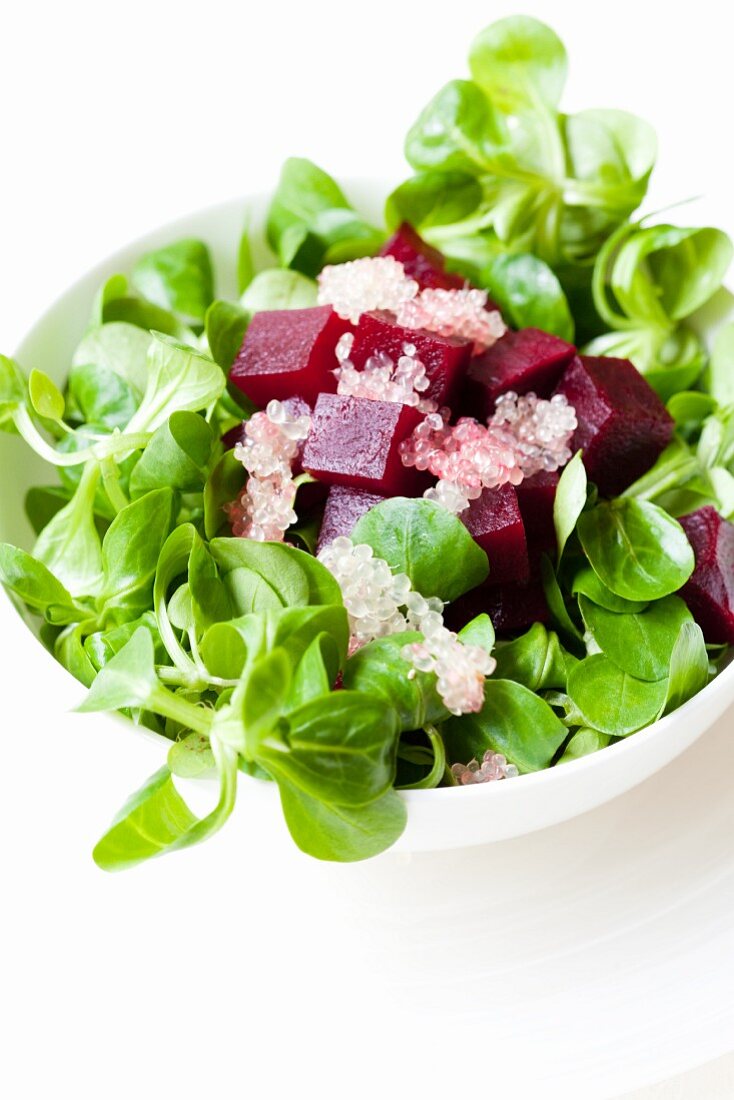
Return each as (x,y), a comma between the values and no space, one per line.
(494,521)
(622,424)
(343,508)
(709,592)
(445,358)
(355,442)
(536,496)
(524,361)
(421,262)
(289,353)
(512,607)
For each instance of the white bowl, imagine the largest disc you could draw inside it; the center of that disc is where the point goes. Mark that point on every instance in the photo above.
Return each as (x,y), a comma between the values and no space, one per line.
(437,819)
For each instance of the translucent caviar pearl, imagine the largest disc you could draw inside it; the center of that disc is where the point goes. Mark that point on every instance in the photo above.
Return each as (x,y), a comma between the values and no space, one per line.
(379,603)
(264,509)
(461,313)
(493,766)
(383,380)
(360,286)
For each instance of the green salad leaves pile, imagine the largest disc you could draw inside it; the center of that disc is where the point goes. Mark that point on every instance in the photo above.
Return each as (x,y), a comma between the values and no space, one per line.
(236,651)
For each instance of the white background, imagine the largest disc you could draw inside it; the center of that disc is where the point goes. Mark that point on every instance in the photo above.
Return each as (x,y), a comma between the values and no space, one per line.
(237,968)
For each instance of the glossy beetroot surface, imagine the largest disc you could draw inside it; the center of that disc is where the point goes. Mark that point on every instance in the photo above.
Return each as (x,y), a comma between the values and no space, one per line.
(289,353)
(709,592)
(445,358)
(535,496)
(520,361)
(421,262)
(354,442)
(343,508)
(622,424)
(494,521)
(511,607)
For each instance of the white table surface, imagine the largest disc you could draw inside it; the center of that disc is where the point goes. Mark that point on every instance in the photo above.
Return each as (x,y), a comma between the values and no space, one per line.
(252,972)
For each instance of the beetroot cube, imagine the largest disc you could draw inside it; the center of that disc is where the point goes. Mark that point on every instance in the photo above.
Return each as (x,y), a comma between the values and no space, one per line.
(289,353)
(622,423)
(511,607)
(520,361)
(494,521)
(354,442)
(444,357)
(709,592)
(343,508)
(421,262)
(535,496)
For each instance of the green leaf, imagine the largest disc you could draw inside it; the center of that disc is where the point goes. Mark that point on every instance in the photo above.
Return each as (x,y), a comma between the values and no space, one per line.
(128,680)
(536,659)
(344,834)
(423,540)
(586,583)
(98,395)
(639,643)
(521,64)
(611,700)
(528,293)
(224,484)
(340,747)
(721,368)
(45,396)
(315,672)
(119,349)
(689,667)
(264,697)
(636,549)
(569,501)
(178,277)
(514,721)
(297,578)
(130,552)
(310,222)
(433,199)
(225,325)
(69,544)
(458,131)
(191,757)
(13,392)
(42,502)
(556,602)
(279,289)
(177,456)
(583,743)
(245,262)
(36,586)
(379,670)
(179,379)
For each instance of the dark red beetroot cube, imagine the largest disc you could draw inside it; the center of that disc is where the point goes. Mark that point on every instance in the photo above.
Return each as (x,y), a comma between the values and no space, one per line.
(421,262)
(622,423)
(535,496)
(494,521)
(511,607)
(354,442)
(343,508)
(289,353)
(445,358)
(709,592)
(520,361)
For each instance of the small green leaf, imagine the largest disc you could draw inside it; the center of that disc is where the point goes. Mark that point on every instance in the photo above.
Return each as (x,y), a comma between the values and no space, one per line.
(639,643)
(570,500)
(611,700)
(583,743)
(225,325)
(536,660)
(46,398)
(344,834)
(36,586)
(128,680)
(279,289)
(528,293)
(689,667)
(178,277)
(521,64)
(191,757)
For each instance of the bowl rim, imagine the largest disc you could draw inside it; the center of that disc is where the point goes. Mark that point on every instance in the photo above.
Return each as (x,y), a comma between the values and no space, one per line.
(545,776)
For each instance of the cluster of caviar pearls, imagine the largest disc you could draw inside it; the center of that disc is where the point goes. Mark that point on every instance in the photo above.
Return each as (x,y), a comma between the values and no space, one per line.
(382,379)
(524,436)
(493,766)
(454,313)
(379,603)
(460,669)
(264,509)
(360,286)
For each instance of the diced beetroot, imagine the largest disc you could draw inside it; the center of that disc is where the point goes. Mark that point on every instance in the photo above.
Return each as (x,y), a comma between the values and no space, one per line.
(289,353)
(520,361)
(511,607)
(444,357)
(354,442)
(622,423)
(343,508)
(535,496)
(421,262)
(709,592)
(494,521)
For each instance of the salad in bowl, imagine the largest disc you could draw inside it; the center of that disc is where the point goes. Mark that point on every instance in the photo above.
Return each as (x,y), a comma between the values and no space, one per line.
(436,503)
